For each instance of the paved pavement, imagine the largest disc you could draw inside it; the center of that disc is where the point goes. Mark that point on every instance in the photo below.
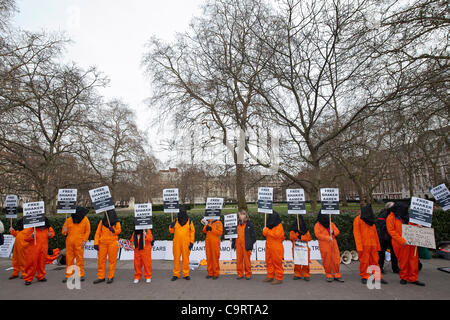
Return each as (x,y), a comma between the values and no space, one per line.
(226,287)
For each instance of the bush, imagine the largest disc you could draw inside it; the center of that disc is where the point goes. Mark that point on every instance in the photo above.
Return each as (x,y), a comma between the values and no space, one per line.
(161,222)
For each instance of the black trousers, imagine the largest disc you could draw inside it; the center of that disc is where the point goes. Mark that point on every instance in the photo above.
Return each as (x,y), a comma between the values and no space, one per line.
(387,244)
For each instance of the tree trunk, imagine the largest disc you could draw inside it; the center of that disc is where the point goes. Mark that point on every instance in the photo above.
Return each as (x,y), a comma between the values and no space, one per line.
(240,187)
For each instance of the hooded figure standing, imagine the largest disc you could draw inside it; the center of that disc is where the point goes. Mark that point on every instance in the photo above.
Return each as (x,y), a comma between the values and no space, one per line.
(274,234)
(408,257)
(183,241)
(304,236)
(19,251)
(329,250)
(143,243)
(77,228)
(37,252)
(213,230)
(105,242)
(367,243)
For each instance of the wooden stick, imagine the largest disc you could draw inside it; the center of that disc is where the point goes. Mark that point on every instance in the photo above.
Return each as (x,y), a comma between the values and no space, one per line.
(107,217)
(415,251)
(265,220)
(171,214)
(34,235)
(10,223)
(332,251)
(298,224)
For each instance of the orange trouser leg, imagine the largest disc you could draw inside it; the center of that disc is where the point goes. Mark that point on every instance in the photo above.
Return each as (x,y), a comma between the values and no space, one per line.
(331,260)
(277,260)
(408,263)
(269,264)
(138,261)
(326,260)
(368,258)
(16,262)
(30,263)
(101,262)
(113,249)
(147,262)
(243,261)
(209,260)
(298,271)
(42,257)
(79,256)
(70,258)
(413,265)
(185,252)
(336,260)
(212,257)
(304,270)
(176,260)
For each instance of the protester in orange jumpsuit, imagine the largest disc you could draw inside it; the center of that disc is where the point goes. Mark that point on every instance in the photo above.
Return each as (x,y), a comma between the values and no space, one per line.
(19,251)
(274,234)
(303,235)
(105,242)
(408,256)
(367,243)
(143,243)
(244,245)
(77,229)
(213,231)
(328,246)
(183,241)
(36,254)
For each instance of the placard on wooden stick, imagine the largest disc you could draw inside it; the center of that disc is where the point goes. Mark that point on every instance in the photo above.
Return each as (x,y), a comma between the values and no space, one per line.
(421,237)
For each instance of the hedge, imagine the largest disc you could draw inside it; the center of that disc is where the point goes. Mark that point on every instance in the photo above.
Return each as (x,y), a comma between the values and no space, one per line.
(344,222)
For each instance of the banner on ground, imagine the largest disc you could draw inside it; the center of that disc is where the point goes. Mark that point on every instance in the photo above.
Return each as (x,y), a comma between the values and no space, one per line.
(296,201)
(230,226)
(171,201)
(143,219)
(421,237)
(329,198)
(213,208)
(11,206)
(7,247)
(67,201)
(33,215)
(101,199)
(265,200)
(421,212)
(442,196)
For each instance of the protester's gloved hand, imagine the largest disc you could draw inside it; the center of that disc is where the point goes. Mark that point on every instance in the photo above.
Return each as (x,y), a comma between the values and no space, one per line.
(190,246)
(208,228)
(233,244)
(111,229)
(172,225)
(96,247)
(152,243)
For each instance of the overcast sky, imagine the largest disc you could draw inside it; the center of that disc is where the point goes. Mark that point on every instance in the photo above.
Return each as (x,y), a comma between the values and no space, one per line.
(111,35)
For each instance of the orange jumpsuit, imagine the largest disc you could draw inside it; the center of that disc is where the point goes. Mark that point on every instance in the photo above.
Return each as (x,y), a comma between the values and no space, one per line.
(274,251)
(183,237)
(19,252)
(408,263)
(301,271)
(36,254)
(243,263)
(329,250)
(76,235)
(107,247)
(212,246)
(143,258)
(367,245)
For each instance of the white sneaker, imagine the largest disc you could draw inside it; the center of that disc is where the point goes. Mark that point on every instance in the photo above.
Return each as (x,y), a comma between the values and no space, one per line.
(136,281)
(148,280)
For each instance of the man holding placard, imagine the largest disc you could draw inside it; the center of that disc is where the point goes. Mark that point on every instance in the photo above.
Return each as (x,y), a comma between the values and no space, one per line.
(408,259)
(213,230)
(37,233)
(143,241)
(442,196)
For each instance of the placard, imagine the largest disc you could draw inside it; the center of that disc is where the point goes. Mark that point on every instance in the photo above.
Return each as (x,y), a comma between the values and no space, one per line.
(143,219)
(230,226)
(171,201)
(329,198)
(11,206)
(101,199)
(265,200)
(442,196)
(213,208)
(301,253)
(33,215)
(7,247)
(421,237)
(421,212)
(67,201)
(296,201)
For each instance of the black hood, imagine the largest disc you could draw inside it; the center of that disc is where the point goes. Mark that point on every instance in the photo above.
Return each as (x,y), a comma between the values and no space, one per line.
(301,222)
(79,215)
(113,219)
(367,215)
(273,220)
(182,216)
(19,225)
(47,224)
(324,220)
(400,210)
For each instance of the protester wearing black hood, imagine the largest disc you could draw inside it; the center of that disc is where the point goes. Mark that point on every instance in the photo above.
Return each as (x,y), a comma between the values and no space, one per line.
(143,243)
(385,239)
(106,243)
(274,234)
(19,251)
(77,229)
(329,250)
(183,241)
(408,257)
(367,243)
(299,232)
